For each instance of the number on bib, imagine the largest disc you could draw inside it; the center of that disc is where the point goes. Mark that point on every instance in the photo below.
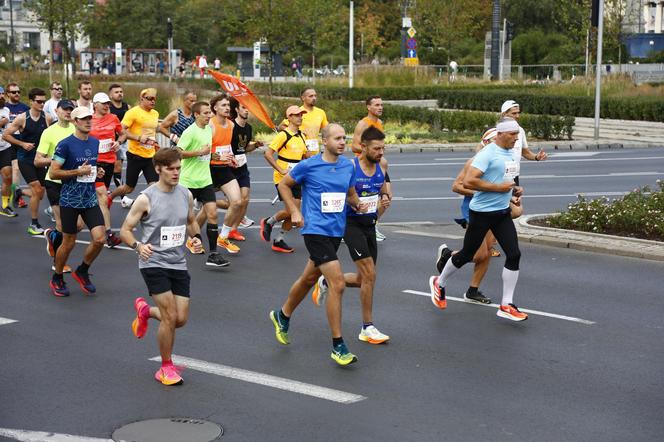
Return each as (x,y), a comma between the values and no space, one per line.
(372,201)
(511,169)
(332,202)
(105,145)
(172,236)
(89,178)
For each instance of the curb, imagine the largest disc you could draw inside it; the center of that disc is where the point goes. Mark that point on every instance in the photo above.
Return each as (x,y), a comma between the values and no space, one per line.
(588,242)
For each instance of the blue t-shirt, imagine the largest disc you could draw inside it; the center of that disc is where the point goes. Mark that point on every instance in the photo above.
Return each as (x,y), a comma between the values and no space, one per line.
(368,189)
(72,152)
(498,166)
(324,189)
(16,109)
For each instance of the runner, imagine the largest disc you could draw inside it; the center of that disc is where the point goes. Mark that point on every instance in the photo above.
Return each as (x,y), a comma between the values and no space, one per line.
(140,126)
(163,214)
(118,108)
(177,121)
(360,234)
(328,183)
(5,161)
(47,145)
(30,125)
(85,95)
(107,129)
(75,163)
(374,112)
(16,108)
(290,147)
(491,174)
(313,121)
(195,144)
(52,103)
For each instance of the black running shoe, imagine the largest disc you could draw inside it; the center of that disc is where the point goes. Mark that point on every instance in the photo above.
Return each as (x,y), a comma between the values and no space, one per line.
(477,298)
(444,254)
(281,246)
(266,230)
(216,260)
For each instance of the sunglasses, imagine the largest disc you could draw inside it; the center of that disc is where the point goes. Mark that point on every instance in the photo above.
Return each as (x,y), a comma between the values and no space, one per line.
(13,92)
(150,98)
(39,101)
(56,88)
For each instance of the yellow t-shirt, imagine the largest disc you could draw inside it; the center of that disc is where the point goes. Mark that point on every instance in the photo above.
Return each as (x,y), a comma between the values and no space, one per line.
(49,141)
(312,123)
(140,122)
(294,150)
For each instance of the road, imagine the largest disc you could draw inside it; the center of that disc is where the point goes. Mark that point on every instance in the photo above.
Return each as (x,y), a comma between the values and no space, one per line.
(586,366)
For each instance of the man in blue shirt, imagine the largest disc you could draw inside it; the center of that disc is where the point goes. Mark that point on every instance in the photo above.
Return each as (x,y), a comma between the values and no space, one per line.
(327,182)
(75,163)
(491,175)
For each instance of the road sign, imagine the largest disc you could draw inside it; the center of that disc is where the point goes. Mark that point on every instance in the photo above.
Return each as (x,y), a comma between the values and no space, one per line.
(412,53)
(411,43)
(411,32)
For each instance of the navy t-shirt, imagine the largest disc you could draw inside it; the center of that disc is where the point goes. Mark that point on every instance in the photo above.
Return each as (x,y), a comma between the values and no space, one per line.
(324,189)
(71,153)
(368,189)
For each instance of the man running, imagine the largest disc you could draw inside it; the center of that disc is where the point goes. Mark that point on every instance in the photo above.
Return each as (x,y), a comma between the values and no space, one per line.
(163,214)
(492,175)
(118,108)
(16,108)
(140,126)
(328,183)
(290,147)
(195,143)
(313,121)
(177,121)
(75,163)
(30,125)
(52,103)
(85,95)
(107,129)
(360,234)
(5,161)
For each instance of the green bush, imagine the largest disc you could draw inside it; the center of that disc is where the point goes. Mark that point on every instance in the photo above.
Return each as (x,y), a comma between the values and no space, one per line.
(638,214)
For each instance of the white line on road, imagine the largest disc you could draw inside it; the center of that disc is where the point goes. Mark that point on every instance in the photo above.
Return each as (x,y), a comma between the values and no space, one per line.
(5,321)
(43,436)
(533,312)
(560,195)
(428,234)
(576,160)
(267,380)
(540,177)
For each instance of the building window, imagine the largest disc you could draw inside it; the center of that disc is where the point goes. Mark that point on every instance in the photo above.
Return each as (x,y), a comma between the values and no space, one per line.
(31,41)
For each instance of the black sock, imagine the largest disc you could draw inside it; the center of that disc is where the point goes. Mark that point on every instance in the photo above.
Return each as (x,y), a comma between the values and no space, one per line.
(471,290)
(337,341)
(83,268)
(18,193)
(108,232)
(57,277)
(35,221)
(117,179)
(367,324)
(283,318)
(212,231)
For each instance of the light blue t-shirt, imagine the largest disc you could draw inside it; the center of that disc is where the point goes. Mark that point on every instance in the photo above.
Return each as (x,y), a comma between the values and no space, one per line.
(498,166)
(324,189)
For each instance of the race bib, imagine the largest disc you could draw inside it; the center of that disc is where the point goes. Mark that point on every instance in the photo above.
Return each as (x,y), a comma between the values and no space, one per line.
(90,178)
(204,158)
(240,160)
(172,236)
(223,150)
(372,201)
(105,145)
(511,170)
(312,145)
(332,202)
(149,144)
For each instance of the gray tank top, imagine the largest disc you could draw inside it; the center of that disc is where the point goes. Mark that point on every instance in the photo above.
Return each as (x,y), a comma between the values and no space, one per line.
(165,228)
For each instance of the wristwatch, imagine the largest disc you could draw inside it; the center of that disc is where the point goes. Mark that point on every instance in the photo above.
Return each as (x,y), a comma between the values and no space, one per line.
(135,246)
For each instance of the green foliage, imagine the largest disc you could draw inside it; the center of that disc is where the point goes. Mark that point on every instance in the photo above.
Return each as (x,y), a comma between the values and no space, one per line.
(639,214)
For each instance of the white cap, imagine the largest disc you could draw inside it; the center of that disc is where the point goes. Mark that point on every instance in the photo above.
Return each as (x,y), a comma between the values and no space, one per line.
(81,112)
(509,104)
(489,134)
(101,97)
(507,125)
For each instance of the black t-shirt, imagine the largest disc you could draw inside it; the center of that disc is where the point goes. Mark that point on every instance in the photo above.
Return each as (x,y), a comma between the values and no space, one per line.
(119,111)
(240,140)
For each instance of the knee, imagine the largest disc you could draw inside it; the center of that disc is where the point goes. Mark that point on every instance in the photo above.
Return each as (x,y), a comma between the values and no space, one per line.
(336,284)
(235,204)
(367,277)
(181,321)
(512,260)
(169,316)
(481,256)
(98,241)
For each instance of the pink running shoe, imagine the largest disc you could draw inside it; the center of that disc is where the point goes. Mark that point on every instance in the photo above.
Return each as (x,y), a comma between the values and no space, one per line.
(140,325)
(168,375)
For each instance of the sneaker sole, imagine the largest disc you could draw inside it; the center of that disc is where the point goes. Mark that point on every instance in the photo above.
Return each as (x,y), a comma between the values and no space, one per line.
(472,301)
(314,295)
(9,215)
(343,363)
(440,257)
(280,250)
(434,299)
(262,229)
(49,246)
(136,321)
(56,294)
(372,341)
(169,383)
(502,314)
(277,329)
(75,276)
(226,264)
(232,252)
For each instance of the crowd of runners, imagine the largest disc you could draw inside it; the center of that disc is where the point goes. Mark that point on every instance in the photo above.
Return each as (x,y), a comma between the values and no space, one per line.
(73,151)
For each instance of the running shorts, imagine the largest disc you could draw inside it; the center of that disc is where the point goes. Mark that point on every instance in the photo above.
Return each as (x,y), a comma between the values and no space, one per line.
(322,248)
(360,237)
(5,158)
(92,217)
(221,176)
(32,173)
(161,280)
(297,192)
(136,165)
(53,192)
(242,176)
(108,175)
(204,194)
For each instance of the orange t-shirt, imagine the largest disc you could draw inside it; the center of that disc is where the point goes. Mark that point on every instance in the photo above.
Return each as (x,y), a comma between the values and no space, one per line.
(105,129)
(372,123)
(221,140)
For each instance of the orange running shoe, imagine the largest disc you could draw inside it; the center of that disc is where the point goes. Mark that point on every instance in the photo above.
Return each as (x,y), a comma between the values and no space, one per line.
(168,375)
(437,293)
(224,243)
(140,325)
(511,312)
(236,235)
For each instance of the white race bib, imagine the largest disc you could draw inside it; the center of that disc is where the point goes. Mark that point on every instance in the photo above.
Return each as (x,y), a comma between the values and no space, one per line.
(204,158)
(90,178)
(290,166)
(172,236)
(372,201)
(312,145)
(240,160)
(332,202)
(511,170)
(105,145)
(222,150)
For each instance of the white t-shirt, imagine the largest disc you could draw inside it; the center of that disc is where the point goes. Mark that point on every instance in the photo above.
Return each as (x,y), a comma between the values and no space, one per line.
(521,142)
(4,113)
(49,109)
(202,63)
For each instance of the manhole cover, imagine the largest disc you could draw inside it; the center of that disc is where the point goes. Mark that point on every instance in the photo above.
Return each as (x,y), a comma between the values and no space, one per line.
(176,429)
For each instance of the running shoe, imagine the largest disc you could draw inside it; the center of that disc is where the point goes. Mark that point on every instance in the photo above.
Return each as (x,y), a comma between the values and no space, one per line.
(511,312)
(494,252)
(112,240)
(126,202)
(342,356)
(224,243)
(444,254)
(216,260)
(49,213)
(246,222)
(280,330)
(380,236)
(266,230)
(462,222)
(20,203)
(477,298)
(168,375)
(35,229)
(8,212)
(140,325)
(59,288)
(319,294)
(372,335)
(437,293)
(65,269)
(83,280)
(50,247)
(192,249)
(281,246)
(236,235)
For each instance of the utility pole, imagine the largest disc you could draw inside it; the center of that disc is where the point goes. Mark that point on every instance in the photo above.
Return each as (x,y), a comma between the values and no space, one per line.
(12,37)
(169,32)
(495,41)
(598,69)
(351,36)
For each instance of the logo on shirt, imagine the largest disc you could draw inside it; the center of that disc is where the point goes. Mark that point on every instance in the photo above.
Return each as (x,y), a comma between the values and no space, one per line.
(88,153)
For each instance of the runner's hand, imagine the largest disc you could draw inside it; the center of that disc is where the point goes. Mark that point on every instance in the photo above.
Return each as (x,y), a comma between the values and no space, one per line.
(505,186)
(517,191)
(362,207)
(28,146)
(85,169)
(204,151)
(100,172)
(385,201)
(296,219)
(516,200)
(115,146)
(198,245)
(541,155)
(145,251)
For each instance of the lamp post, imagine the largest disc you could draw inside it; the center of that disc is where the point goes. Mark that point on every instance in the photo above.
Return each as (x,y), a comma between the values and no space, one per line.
(351,49)
(598,69)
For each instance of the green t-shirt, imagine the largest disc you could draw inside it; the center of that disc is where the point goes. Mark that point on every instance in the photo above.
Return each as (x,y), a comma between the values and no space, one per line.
(50,139)
(195,172)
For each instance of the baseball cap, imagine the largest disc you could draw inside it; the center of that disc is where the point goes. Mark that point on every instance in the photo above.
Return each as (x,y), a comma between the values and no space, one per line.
(66,104)
(294,110)
(101,97)
(509,104)
(81,112)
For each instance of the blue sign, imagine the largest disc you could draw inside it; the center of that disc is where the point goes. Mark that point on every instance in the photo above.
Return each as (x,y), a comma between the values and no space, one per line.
(412,53)
(411,43)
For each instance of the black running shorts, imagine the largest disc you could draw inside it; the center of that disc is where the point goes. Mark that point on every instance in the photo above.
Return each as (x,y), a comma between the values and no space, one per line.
(204,194)
(32,173)
(297,192)
(53,192)
(108,175)
(6,158)
(221,175)
(242,176)
(161,280)
(136,165)
(360,237)
(92,217)
(322,248)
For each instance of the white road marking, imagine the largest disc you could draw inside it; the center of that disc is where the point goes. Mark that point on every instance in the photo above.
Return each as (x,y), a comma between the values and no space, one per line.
(560,195)
(429,234)
(267,380)
(574,154)
(5,321)
(532,312)
(44,436)
(540,177)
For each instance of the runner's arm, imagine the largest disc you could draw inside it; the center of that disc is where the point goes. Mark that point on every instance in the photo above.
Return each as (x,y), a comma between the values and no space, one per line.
(167,122)
(193,228)
(57,173)
(457,186)
(285,190)
(139,208)
(357,137)
(15,126)
(41,160)
(354,201)
(473,181)
(269,157)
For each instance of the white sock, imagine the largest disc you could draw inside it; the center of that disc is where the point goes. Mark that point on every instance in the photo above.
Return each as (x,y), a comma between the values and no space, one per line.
(510,277)
(271,221)
(225,230)
(448,270)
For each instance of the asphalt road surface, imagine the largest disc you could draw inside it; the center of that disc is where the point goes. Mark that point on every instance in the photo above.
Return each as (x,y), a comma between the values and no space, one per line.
(587,365)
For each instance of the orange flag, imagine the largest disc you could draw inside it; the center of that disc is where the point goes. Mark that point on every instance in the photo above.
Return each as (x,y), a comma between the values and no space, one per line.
(235,88)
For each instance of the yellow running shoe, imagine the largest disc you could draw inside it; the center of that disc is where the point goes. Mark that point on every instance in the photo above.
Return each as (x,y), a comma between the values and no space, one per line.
(224,243)
(280,330)
(342,356)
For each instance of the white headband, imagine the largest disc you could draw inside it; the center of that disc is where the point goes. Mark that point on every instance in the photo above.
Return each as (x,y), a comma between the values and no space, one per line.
(507,126)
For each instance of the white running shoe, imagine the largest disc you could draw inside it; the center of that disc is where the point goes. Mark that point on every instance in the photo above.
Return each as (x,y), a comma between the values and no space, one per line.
(246,222)
(372,335)
(49,212)
(319,295)
(126,202)
(380,236)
